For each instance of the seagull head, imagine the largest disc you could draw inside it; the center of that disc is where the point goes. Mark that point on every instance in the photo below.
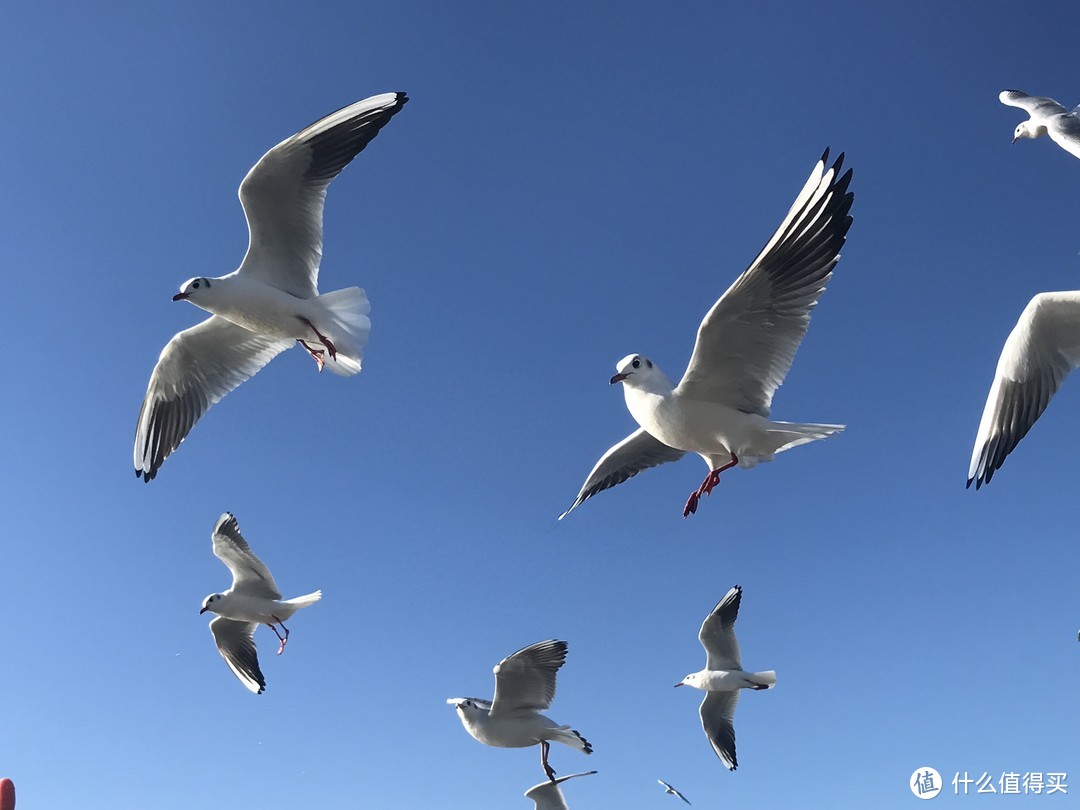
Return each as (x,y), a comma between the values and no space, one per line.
(638,371)
(1025,130)
(210,603)
(192,289)
(693,679)
(464,706)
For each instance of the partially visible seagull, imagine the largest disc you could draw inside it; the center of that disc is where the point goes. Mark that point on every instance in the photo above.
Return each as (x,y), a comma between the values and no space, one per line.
(252,600)
(1039,353)
(524,685)
(745,346)
(1047,117)
(723,677)
(548,795)
(272,300)
(669,789)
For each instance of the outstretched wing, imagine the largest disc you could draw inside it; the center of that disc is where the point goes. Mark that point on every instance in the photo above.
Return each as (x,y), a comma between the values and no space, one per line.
(249,573)
(717,715)
(236,643)
(717,634)
(638,451)
(195,370)
(525,681)
(747,341)
(1035,106)
(284,193)
(1039,353)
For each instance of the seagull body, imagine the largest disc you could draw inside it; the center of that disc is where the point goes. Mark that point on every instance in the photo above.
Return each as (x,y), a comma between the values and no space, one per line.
(272,300)
(745,346)
(723,677)
(669,789)
(549,796)
(1039,353)
(524,685)
(252,600)
(1047,117)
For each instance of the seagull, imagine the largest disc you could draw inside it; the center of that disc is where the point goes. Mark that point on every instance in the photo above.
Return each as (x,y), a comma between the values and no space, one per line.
(524,684)
(745,346)
(723,677)
(1047,118)
(548,795)
(1039,353)
(272,300)
(669,789)
(252,600)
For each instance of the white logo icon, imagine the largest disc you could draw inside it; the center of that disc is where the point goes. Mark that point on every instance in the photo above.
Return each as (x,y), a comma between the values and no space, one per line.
(925,783)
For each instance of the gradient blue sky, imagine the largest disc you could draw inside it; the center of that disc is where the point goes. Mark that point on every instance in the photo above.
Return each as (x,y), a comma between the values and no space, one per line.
(569,183)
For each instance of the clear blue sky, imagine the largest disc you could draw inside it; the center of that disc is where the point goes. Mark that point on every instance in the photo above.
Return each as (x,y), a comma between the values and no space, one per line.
(569,183)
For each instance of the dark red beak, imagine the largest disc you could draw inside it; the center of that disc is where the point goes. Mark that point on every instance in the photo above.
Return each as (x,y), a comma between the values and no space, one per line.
(201,612)
(181,296)
(618,378)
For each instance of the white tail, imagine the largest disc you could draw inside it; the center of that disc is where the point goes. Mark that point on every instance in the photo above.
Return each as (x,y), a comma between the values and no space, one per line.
(567,735)
(348,328)
(785,435)
(767,678)
(304,601)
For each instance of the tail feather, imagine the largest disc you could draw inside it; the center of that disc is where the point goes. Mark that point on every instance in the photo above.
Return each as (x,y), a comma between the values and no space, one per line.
(348,328)
(304,601)
(766,679)
(784,435)
(573,738)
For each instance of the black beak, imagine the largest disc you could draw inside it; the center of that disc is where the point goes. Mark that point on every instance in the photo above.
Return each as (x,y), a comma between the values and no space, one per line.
(201,612)
(618,378)
(181,296)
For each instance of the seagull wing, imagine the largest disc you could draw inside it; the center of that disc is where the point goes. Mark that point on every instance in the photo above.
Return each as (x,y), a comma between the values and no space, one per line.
(1064,130)
(249,573)
(196,369)
(1039,353)
(236,643)
(548,795)
(718,633)
(1035,106)
(284,192)
(525,681)
(638,451)
(747,342)
(717,713)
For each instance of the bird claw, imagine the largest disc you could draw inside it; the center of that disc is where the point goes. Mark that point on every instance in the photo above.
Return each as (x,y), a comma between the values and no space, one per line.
(316,355)
(691,505)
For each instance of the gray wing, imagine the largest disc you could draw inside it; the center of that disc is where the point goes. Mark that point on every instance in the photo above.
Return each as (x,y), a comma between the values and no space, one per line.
(747,341)
(250,575)
(236,643)
(1064,130)
(525,681)
(196,369)
(1039,353)
(548,795)
(717,634)
(638,451)
(1035,106)
(717,714)
(284,193)
(669,789)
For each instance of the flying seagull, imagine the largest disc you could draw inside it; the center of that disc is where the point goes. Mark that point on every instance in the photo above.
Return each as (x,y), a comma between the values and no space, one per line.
(1039,353)
(272,300)
(524,685)
(745,346)
(549,796)
(723,677)
(252,600)
(669,789)
(1047,117)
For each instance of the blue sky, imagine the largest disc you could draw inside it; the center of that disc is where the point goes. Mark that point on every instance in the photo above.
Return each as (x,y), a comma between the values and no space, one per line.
(570,183)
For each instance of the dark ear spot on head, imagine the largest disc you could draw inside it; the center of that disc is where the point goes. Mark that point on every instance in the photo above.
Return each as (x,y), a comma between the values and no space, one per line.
(648,363)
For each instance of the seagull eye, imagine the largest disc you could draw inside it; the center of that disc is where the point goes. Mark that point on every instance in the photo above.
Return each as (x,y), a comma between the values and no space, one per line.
(636,364)
(195,285)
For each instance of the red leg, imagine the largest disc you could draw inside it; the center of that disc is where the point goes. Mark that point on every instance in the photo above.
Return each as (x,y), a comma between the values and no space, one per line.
(284,639)
(706,488)
(315,355)
(323,338)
